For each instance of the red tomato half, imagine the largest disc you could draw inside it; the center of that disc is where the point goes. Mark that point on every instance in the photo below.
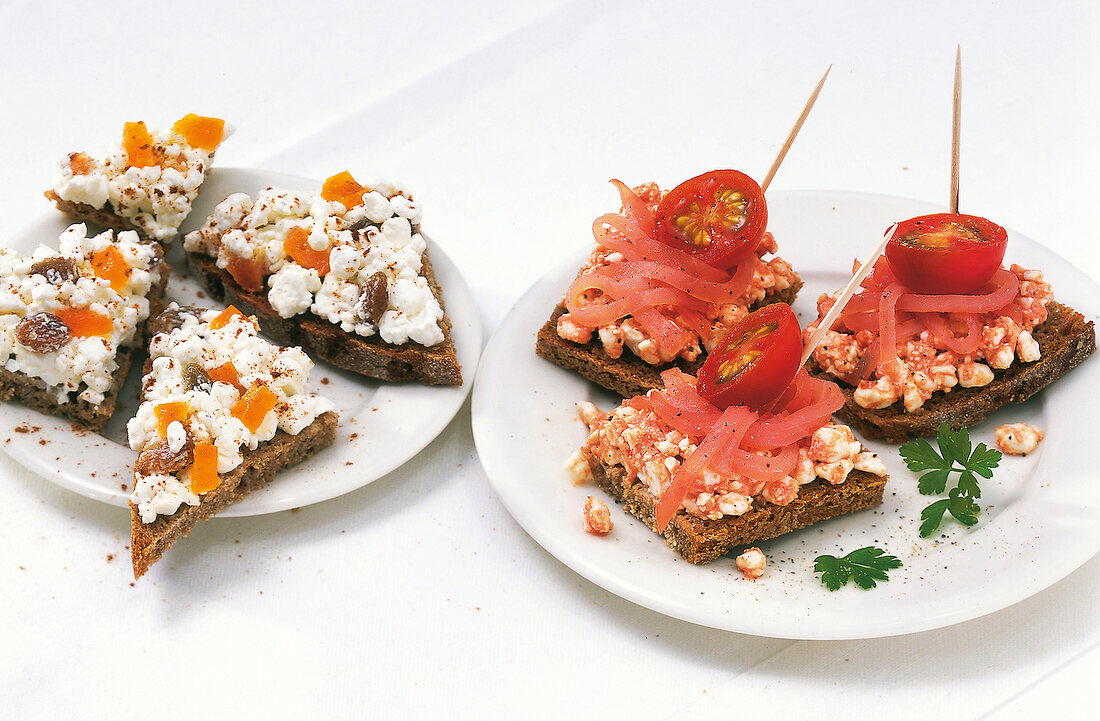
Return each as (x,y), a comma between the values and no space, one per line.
(946,253)
(755,361)
(718,216)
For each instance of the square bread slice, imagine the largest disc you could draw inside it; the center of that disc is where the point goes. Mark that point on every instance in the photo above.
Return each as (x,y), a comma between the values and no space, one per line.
(1065,339)
(222,412)
(72,318)
(146,183)
(353,287)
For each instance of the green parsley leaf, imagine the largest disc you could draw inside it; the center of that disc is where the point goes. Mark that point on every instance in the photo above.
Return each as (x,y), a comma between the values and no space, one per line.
(933,482)
(963,507)
(931,517)
(983,460)
(864,566)
(954,445)
(968,485)
(919,455)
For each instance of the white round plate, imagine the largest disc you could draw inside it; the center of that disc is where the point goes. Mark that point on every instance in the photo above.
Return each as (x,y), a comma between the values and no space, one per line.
(1040,516)
(382,425)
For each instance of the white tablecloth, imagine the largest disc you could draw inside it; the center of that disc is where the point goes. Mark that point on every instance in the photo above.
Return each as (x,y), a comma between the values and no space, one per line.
(418,594)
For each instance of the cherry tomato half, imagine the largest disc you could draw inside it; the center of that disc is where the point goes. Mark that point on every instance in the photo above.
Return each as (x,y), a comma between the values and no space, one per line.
(946,253)
(718,216)
(755,361)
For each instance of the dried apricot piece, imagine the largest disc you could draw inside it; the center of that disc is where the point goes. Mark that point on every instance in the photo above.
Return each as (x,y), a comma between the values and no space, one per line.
(42,332)
(109,265)
(138,145)
(343,188)
(166,413)
(84,322)
(80,163)
(200,131)
(298,248)
(224,317)
(204,471)
(254,405)
(226,373)
(248,272)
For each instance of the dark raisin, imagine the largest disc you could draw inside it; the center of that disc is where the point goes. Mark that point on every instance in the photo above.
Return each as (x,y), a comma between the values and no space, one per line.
(159,458)
(42,332)
(375,299)
(171,319)
(56,270)
(195,378)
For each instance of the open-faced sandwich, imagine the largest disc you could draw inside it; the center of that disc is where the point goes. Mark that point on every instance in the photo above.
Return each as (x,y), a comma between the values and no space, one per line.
(344,273)
(146,183)
(71,319)
(744,452)
(669,274)
(941,332)
(222,411)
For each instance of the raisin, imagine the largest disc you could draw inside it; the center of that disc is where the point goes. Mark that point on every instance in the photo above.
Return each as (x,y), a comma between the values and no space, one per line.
(56,270)
(195,378)
(171,319)
(42,332)
(159,458)
(375,299)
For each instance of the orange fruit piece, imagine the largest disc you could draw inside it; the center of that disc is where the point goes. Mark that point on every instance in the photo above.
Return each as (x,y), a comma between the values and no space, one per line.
(343,188)
(83,322)
(204,470)
(224,317)
(112,267)
(200,131)
(226,373)
(254,405)
(138,145)
(166,413)
(248,272)
(297,247)
(80,163)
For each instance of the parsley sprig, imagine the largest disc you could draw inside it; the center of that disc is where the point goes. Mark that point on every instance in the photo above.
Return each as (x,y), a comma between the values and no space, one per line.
(955,448)
(863,566)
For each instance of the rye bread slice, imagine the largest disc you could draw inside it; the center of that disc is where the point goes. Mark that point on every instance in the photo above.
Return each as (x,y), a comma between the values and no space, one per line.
(1065,339)
(700,540)
(34,393)
(369,356)
(627,375)
(104,217)
(149,541)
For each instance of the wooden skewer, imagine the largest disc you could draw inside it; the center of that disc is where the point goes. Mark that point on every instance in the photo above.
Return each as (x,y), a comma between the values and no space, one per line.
(794,132)
(842,300)
(953,201)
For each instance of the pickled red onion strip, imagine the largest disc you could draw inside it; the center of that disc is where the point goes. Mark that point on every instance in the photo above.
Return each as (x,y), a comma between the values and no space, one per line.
(673,496)
(964,345)
(888,330)
(634,244)
(637,209)
(668,334)
(623,302)
(1005,285)
(731,460)
(798,420)
(714,293)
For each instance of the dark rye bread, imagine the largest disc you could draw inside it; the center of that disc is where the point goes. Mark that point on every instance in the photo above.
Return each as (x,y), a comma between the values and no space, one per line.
(104,217)
(369,356)
(700,540)
(148,542)
(627,375)
(1065,339)
(33,392)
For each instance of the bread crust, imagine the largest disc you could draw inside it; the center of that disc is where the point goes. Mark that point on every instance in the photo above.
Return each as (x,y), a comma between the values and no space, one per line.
(149,541)
(627,375)
(700,540)
(34,393)
(104,217)
(369,356)
(1065,339)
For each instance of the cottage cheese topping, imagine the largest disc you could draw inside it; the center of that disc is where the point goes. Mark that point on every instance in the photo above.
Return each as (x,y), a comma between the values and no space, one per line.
(85,363)
(651,451)
(751,563)
(155,198)
(177,358)
(385,239)
(769,277)
(1018,439)
(925,366)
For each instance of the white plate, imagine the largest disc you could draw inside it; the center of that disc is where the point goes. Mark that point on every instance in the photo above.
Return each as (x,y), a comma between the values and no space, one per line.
(381,425)
(1040,518)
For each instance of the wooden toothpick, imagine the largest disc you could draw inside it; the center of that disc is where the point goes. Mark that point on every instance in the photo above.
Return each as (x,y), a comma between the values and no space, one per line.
(794,132)
(953,201)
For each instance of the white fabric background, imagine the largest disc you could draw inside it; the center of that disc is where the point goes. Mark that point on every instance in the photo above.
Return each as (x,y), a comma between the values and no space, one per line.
(418,595)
